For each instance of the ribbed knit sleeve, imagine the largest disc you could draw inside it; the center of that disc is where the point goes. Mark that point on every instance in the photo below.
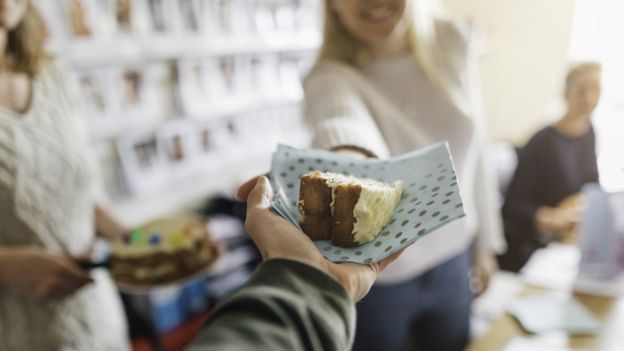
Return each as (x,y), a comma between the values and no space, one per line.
(286,305)
(337,113)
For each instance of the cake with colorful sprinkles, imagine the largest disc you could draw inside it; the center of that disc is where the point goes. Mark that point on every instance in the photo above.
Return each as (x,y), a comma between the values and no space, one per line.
(163,251)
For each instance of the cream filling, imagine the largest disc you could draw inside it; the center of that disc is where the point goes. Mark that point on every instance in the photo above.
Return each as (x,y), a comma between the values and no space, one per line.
(374,209)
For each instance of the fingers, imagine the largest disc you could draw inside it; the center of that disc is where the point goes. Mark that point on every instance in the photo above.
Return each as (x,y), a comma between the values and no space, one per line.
(243,191)
(356,278)
(59,289)
(479,282)
(66,278)
(72,273)
(70,279)
(261,195)
(386,261)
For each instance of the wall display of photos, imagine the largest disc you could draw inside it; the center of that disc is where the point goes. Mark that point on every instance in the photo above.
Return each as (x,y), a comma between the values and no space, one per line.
(184,98)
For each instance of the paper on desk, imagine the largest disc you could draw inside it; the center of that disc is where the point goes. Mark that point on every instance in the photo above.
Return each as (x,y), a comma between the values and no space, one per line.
(551,313)
(557,342)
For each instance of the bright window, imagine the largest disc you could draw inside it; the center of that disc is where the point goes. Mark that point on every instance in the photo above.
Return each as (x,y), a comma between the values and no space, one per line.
(597,35)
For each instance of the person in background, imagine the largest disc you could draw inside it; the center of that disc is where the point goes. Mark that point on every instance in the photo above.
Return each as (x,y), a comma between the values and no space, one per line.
(392,78)
(47,204)
(296,299)
(542,202)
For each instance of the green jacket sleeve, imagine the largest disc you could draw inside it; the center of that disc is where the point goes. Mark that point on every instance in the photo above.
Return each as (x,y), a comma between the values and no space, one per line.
(286,305)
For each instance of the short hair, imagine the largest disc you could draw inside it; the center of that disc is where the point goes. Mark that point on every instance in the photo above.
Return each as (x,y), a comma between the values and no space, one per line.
(580,69)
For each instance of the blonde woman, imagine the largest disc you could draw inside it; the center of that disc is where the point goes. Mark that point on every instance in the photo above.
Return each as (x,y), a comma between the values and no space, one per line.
(47,208)
(390,79)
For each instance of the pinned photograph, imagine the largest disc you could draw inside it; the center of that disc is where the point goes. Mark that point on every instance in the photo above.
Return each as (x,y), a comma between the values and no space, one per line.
(191,12)
(176,138)
(78,18)
(132,83)
(192,86)
(123,11)
(93,90)
(142,163)
(211,139)
(146,153)
(158,15)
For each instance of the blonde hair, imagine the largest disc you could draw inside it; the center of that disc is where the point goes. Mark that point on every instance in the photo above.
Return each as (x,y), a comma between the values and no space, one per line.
(340,45)
(580,69)
(25,45)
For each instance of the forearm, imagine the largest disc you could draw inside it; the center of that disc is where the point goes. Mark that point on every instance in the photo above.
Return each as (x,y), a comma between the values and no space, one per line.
(4,265)
(7,256)
(287,305)
(354,151)
(490,239)
(106,225)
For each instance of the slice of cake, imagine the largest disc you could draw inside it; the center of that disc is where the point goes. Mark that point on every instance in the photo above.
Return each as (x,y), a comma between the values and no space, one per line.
(163,251)
(347,210)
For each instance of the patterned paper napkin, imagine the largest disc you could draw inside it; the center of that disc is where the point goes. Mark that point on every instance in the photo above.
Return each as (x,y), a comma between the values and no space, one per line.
(431,197)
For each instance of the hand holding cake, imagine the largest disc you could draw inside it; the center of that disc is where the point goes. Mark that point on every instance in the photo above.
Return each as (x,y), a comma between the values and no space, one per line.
(277,238)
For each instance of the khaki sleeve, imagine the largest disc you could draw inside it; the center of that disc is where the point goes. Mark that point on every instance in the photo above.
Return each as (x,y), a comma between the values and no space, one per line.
(287,305)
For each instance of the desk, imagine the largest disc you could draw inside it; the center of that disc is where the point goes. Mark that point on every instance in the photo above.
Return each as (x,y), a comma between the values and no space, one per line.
(609,311)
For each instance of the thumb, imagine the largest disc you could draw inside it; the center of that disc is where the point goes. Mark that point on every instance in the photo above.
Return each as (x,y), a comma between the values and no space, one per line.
(261,195)
(243,191)
(75,273)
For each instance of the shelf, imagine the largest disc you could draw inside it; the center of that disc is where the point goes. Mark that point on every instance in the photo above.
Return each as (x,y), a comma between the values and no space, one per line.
(101,130)
(174,48)
(136,50)
(240,105)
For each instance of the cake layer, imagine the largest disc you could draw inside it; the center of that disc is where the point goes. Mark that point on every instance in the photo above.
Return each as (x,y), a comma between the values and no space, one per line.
(163,267)
(315,198)
(346,196)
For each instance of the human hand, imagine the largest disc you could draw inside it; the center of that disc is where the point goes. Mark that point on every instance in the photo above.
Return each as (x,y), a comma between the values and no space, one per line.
(574,206)
(558,221)
(484,267)
(277,238)
(41,275)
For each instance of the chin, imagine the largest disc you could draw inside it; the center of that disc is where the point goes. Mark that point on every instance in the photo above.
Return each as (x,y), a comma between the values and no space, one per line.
(376,37)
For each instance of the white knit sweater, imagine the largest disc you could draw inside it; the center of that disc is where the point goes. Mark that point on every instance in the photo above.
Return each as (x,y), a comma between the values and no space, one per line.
(389,108)
(46,200)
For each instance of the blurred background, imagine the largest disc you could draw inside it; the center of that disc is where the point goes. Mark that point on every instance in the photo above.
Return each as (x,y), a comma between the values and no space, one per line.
(185,99)
(169,83)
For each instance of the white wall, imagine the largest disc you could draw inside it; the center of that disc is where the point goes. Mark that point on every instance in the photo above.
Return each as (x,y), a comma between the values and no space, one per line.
(523,68)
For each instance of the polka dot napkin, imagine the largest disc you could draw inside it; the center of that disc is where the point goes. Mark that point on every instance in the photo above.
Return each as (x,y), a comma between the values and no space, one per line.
(431,196)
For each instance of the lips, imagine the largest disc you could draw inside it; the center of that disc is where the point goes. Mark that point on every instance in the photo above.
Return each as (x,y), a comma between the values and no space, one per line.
(379,13)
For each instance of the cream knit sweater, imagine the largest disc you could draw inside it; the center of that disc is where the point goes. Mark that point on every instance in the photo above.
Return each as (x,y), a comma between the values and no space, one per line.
(46,200)
(389,108)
